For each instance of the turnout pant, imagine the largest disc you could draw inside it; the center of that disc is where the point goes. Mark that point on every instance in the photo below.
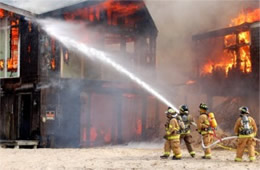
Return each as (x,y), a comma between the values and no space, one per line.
(173,145)
(188,142)
(242,143)
(207,139)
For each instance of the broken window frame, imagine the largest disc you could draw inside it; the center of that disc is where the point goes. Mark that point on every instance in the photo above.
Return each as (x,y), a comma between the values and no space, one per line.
(5,26)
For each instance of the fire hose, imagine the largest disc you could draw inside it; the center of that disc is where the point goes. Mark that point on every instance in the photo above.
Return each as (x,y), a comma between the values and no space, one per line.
(229,148)
(220,140)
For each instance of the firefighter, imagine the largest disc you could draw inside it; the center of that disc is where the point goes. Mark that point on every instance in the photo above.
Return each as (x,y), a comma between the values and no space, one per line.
(246,130)
(185,132)
(205,130)
(172,136)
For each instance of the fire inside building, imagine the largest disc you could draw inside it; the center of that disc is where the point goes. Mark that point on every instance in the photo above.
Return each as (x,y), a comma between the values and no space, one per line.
(229,63)
(52,95)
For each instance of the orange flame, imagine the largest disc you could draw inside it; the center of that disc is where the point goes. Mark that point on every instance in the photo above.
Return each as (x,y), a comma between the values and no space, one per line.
(53,64)
(114,10)
(93,134)
(230,59)
(2,13)
(12,63)
(246,16)
(139,127)
(2,65)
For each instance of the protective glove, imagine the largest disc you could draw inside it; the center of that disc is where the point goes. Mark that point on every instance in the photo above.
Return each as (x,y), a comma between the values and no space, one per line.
(198,131)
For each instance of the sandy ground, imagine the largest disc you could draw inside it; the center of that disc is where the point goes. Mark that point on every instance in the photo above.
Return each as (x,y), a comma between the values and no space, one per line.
(116,157)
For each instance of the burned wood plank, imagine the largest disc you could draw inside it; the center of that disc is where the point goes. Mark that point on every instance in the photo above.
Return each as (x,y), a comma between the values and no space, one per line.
(222,32)
(236,46)
(18,143)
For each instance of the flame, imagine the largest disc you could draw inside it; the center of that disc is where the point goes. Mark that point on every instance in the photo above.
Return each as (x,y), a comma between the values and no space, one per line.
(12,63)
(246,65)
(139,127)
(207,68)
(114,11)
(2,13)
(229,58)
(2,63)
(53,64)
(226,62)
(248,16)
(230,40)
(244,37)
(93,134)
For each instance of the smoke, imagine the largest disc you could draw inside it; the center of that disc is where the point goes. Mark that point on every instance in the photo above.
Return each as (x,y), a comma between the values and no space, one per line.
(67,33)
(51,84)
(176,59)
(66,36)
(178,56)
(40,6)
(177,22)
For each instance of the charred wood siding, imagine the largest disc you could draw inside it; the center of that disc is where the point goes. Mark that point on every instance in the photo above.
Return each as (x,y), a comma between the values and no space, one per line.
(29,51)
(254,50)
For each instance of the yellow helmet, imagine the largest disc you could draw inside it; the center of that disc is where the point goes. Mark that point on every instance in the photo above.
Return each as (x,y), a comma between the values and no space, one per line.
(170,111)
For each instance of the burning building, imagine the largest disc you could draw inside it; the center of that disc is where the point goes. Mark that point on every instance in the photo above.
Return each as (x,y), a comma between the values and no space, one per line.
(50,93)
(228,62)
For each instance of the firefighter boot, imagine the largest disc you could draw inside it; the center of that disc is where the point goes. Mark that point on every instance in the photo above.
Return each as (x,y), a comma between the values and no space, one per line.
(165,156)
(192,154)
(206,157)
(174,158)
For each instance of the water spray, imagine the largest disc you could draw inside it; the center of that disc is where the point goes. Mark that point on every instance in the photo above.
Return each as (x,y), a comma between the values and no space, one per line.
(50,26)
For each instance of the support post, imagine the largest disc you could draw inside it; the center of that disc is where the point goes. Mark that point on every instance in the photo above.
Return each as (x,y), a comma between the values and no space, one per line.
(144,110)
(157,117)
(88,118)
(119,119)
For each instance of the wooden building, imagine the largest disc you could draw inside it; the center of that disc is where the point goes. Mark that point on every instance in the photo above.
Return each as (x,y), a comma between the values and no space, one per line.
(234,74)
(55,95)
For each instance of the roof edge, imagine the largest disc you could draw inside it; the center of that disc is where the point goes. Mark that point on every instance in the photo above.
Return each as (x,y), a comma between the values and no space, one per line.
(68,8)
(17,10)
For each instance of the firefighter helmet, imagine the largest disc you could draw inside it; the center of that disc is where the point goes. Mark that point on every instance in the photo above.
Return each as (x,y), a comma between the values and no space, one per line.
(169,111)
(244,110)
(203,106)
(184,109)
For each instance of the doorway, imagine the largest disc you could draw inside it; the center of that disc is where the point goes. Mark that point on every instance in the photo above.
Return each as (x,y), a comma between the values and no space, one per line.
(25,116)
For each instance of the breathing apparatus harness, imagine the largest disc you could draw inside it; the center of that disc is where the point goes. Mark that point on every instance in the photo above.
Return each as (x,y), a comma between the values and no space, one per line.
(185,119)
(246,129)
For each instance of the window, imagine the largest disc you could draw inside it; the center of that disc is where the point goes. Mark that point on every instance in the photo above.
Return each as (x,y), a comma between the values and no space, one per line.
(9,47)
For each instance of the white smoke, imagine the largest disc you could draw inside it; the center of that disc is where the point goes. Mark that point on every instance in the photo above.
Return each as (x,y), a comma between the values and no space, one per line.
(64,32)
(40,6)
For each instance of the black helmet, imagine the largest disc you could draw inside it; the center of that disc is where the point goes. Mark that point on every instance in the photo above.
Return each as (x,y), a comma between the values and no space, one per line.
(184,109)
(244,110)
(203,106)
